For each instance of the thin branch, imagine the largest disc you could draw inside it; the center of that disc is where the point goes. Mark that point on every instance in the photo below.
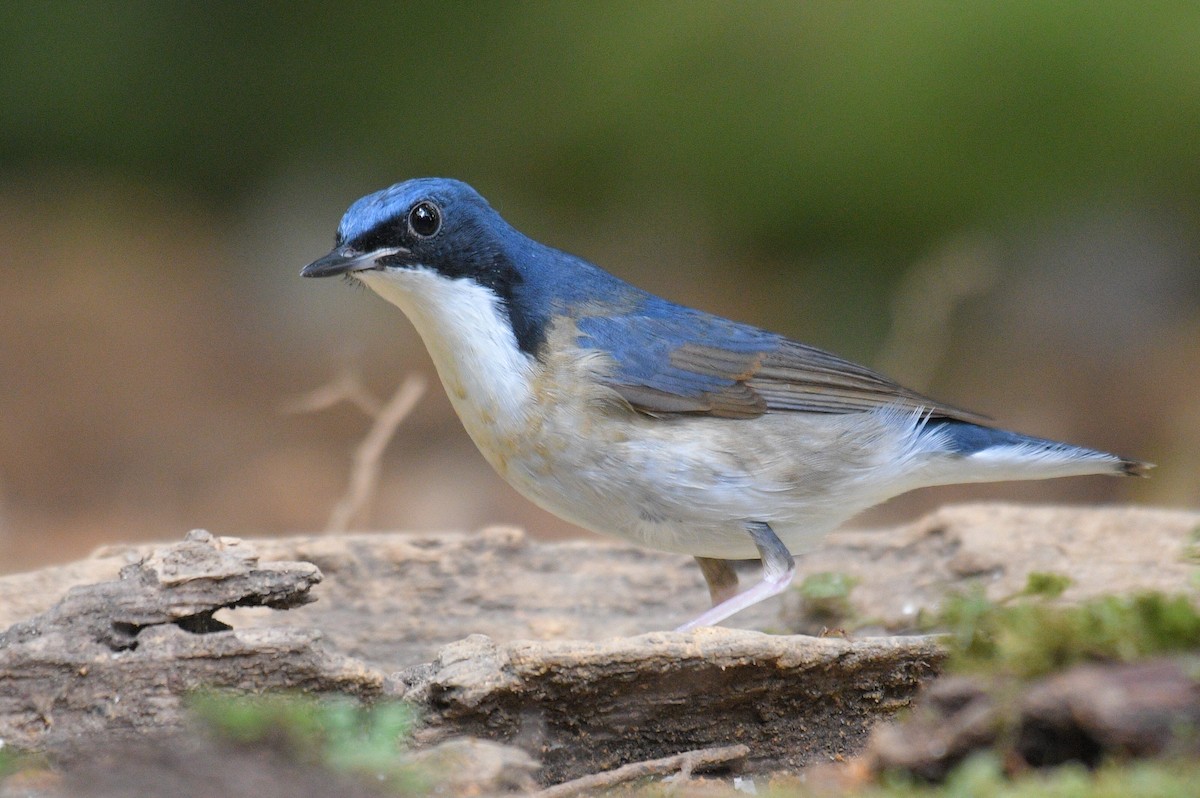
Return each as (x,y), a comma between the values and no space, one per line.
(685,763)
(346,387)
(365,475)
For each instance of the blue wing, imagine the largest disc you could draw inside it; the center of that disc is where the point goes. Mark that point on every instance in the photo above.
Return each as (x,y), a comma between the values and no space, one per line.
(672,359)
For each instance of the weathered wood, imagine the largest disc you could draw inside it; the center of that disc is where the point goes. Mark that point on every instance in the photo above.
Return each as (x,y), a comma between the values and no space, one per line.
(395,598)
(118,657)
(585,707)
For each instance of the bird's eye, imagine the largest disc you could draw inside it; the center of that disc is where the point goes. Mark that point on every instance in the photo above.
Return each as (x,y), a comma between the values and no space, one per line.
(425,219)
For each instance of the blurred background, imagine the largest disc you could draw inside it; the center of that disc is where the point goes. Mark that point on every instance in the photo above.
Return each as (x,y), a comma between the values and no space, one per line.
(996,203)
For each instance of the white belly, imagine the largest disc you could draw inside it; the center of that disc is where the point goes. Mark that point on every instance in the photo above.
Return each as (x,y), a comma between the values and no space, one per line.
(688,484)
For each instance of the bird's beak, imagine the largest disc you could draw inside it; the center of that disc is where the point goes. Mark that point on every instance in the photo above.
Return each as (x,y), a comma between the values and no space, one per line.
(345,260)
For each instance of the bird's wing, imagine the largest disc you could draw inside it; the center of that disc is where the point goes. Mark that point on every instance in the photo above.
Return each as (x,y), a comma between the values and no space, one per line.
(675,360)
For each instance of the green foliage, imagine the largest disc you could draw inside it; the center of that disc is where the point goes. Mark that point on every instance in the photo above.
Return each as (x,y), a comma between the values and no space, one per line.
(825,125)
(848,140)
(825,596)
(1191,551)
(1031,636)
(339,733)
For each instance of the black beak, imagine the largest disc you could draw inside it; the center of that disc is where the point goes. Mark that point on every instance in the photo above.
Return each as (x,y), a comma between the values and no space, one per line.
(345,260)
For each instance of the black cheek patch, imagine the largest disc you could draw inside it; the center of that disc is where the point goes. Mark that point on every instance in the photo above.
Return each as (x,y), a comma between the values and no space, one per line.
(386,234)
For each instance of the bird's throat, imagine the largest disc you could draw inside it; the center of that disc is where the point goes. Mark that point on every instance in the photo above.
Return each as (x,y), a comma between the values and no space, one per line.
(463,325)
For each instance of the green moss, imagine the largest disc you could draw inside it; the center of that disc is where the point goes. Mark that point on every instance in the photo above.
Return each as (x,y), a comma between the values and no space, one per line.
(825,597)
(339,733)
(1191,551)
(1025,635)
(1045,584)
(13,762)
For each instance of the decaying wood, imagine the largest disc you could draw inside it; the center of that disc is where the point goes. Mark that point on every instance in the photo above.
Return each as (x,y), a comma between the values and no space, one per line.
(136,631)
(1084,714)
(586,707)
(181,585)
(1138,709)
(955,717)
(470,766)
(119,657)
(395,598)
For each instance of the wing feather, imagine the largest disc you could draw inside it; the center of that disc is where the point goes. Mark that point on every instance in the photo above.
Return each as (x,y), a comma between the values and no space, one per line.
(674,360)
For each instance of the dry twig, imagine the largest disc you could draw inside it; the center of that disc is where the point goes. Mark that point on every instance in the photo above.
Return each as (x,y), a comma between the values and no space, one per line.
(365,474)
(685,763)
(347,387)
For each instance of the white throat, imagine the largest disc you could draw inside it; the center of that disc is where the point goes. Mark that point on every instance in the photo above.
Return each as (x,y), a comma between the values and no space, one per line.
(471,341)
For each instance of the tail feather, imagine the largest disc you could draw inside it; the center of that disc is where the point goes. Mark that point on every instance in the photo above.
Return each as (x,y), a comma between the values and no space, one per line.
(997,454)
(1135,468)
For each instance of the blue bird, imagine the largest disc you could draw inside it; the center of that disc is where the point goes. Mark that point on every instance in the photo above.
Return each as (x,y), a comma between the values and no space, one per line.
(632,416)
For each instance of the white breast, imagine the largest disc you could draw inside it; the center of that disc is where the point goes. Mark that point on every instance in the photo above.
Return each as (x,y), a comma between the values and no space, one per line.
(486,375)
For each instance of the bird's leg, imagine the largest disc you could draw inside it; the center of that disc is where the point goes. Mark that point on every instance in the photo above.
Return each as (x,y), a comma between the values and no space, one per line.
(778,570)
(722,579)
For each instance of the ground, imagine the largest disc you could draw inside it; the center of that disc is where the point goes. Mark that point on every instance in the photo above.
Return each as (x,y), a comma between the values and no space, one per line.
(550,647)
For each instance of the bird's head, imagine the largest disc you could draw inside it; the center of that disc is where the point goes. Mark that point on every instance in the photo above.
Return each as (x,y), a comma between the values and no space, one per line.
(445,230)
(436,224)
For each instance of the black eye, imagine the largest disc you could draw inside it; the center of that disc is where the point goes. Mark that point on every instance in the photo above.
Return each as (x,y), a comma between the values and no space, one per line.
(425,219)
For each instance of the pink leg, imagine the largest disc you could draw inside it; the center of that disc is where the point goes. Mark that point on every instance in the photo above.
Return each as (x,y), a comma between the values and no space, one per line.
(778,570)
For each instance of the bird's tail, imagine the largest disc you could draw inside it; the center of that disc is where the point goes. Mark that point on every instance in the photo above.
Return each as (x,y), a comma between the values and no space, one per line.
(986,454)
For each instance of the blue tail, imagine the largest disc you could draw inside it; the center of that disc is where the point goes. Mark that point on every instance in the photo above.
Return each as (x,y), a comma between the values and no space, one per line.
(966,439)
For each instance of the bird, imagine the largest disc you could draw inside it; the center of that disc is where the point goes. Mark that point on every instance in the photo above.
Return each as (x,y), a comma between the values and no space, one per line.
(633,416)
